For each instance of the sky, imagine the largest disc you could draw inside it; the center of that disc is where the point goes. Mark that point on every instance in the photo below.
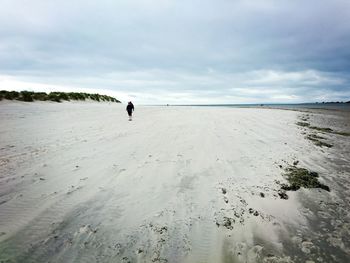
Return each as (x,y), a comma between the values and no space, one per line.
(179,51)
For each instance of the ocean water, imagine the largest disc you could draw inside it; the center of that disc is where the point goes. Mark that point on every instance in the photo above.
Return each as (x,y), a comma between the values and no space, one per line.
(326,106)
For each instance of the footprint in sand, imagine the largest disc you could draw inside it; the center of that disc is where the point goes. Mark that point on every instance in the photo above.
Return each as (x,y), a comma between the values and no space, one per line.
(4,162)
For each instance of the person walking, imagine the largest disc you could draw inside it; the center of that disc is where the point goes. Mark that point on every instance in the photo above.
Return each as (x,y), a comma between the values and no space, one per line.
(130,108)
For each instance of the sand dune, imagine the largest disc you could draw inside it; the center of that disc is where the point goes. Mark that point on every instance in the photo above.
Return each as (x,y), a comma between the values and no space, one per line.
(80,183)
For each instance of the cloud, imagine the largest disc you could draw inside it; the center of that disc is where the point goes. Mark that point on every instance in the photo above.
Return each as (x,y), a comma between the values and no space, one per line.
(301,78)
(165,50)
(177,87)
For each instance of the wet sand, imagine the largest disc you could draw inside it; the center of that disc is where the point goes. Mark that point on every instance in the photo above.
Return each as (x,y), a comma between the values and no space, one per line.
(80,183)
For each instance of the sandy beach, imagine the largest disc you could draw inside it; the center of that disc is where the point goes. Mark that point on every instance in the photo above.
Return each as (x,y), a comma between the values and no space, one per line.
(81,183)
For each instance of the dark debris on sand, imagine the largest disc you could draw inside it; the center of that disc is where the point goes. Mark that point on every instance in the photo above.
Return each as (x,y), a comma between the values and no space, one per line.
(301,177)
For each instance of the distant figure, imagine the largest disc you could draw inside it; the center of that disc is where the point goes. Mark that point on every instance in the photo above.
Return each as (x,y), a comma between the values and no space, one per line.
(130,108)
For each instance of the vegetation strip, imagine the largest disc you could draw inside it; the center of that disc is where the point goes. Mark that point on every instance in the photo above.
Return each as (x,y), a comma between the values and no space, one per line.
(53,96)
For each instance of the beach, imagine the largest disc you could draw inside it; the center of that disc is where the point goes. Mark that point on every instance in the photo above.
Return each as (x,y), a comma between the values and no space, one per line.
(81,183)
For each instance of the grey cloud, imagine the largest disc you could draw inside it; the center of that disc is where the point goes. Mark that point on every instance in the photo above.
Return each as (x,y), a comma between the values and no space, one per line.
(180,47)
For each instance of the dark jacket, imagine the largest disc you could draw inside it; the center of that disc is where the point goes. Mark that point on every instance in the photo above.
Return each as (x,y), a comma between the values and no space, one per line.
(130,108)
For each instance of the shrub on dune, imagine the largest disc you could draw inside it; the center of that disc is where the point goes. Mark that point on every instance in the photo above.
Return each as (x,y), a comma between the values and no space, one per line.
(11,95)
(63,96)
(42,96)
(26,96)
(54,97)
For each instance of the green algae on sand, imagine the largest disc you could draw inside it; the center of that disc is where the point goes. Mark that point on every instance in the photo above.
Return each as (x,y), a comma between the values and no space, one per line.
(303,124)
(301,177)
(317,140)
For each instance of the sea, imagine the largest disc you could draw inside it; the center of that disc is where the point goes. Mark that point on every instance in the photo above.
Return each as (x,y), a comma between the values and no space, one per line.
(325,106)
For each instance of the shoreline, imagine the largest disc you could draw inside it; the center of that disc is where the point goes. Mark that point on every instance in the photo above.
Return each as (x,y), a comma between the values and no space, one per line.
(344,106)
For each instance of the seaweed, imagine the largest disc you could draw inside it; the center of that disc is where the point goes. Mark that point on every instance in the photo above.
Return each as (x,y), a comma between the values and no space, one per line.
(303,124)
(321,144)
(342,133)
(321,129)
(315,136)
(317,140)
(301,177)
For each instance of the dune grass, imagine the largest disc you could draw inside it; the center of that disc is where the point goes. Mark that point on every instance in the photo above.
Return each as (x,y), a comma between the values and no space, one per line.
(30,96)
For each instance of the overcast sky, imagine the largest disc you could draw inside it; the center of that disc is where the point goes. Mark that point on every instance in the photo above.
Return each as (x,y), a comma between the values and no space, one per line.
(179,51)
